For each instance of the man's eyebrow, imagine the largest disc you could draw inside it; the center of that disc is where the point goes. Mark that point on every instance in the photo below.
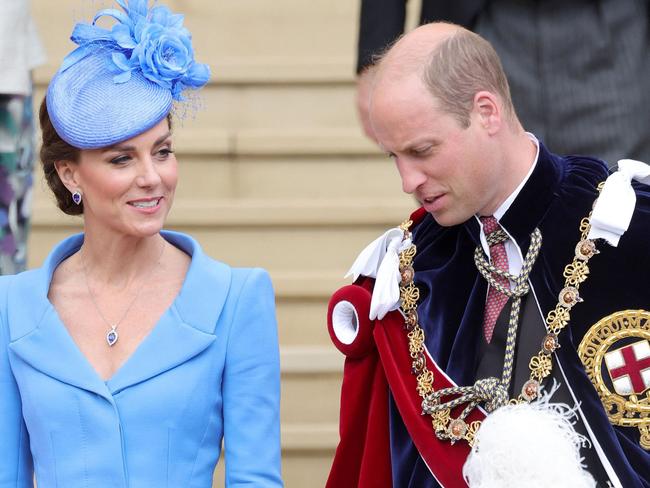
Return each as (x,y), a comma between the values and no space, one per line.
(126,148)
(418,144)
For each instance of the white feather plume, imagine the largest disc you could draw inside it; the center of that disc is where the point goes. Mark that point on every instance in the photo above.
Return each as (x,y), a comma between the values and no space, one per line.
(531,445)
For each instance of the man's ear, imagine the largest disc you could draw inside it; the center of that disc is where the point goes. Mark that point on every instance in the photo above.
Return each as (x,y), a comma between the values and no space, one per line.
(488,111)
(67,171)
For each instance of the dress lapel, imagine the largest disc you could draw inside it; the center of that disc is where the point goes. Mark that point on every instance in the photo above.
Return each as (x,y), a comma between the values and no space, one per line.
(50,349)
(37,335)
(185,330)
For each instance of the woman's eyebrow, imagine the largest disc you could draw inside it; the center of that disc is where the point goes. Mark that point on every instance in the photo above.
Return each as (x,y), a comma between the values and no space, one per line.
(121,147)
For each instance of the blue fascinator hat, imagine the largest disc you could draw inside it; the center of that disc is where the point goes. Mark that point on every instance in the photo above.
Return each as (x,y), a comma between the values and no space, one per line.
(121,82)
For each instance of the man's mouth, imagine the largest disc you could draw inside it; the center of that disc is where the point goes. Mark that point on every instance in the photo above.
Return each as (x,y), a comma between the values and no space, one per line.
(431,199)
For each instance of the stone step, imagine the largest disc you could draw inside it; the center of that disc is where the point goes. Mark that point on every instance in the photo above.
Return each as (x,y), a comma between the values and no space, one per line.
(302,320)
(273,143)
(269,109)
(311,384)
(241,41)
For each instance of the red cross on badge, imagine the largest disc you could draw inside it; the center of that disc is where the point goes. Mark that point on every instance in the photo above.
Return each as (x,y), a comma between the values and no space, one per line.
(629,368)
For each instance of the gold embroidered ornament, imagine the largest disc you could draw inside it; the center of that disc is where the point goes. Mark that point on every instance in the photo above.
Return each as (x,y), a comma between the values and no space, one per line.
(620,345)
(490,391)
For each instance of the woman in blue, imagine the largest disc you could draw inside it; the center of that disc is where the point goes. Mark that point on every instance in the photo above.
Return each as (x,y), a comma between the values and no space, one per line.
(130,355)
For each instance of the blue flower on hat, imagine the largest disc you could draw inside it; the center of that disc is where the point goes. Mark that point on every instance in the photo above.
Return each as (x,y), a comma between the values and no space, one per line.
(151,41)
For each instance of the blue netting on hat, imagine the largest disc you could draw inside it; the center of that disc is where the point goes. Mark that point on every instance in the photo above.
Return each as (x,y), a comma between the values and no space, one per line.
(120,82)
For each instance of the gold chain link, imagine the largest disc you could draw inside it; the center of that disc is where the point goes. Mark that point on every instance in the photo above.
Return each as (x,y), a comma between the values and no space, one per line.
(541,364)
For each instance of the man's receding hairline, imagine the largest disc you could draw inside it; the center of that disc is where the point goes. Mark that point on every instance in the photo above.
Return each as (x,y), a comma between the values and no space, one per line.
(404,65)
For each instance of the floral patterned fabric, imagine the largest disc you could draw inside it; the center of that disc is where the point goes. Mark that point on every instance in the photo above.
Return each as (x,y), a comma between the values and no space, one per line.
(16,165)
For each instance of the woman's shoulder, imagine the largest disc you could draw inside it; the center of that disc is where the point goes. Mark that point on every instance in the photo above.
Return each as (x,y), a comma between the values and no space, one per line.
(33,280)
(214,291)
(250,276)
(4,285)
(240,279)
(24,278)
(21,301)
(210,279)
(253,283)
(205,267)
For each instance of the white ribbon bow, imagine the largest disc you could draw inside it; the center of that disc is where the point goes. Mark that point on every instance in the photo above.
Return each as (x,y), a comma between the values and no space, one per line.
(380,260)
(613,211)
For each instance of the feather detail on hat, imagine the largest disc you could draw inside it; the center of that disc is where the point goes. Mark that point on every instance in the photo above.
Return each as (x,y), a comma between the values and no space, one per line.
(153,42)
(122,81)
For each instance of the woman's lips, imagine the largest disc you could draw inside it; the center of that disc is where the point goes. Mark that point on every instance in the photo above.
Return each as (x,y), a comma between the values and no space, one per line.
(146,205)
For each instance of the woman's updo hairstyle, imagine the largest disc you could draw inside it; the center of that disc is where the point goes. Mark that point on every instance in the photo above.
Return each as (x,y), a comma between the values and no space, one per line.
(54,149)
(119,82)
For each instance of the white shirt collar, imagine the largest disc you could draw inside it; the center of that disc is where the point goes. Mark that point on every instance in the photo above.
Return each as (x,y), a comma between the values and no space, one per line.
(503,208)
(515,257)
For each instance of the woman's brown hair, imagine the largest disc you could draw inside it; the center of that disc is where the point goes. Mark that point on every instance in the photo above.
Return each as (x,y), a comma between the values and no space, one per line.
(54,149)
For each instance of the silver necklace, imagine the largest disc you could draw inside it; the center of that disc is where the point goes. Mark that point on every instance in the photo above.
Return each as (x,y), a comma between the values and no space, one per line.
(112,335)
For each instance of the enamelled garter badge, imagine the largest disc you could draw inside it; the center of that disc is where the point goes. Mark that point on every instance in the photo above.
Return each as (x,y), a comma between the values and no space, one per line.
(616,355)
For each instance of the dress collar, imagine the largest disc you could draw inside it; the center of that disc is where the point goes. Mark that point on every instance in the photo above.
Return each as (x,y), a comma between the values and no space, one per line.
(193,285)
(187,327)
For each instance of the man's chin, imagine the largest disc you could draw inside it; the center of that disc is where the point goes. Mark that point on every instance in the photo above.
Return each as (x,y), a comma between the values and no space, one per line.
(447,218)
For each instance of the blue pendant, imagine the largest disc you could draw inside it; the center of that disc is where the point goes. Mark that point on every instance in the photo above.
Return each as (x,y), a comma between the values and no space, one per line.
(112,336)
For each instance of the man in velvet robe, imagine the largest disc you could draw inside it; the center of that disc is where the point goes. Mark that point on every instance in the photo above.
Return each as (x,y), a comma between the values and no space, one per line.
(441,108)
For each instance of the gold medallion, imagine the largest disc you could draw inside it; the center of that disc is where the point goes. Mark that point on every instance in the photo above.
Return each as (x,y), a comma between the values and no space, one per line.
(616,355)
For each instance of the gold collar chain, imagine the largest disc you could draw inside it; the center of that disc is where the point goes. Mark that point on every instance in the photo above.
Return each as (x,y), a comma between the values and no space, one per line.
(445,426)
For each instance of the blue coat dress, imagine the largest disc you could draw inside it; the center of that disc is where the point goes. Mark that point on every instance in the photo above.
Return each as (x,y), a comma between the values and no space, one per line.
(208,371)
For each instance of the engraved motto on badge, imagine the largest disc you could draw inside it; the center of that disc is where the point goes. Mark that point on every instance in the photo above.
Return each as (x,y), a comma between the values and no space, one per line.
(616,355)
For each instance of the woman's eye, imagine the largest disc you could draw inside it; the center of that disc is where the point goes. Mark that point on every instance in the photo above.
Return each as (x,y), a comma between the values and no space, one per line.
(164,153)
(120,159)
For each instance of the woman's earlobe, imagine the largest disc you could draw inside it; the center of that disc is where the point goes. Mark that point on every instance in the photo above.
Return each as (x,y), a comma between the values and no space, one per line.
(66,174)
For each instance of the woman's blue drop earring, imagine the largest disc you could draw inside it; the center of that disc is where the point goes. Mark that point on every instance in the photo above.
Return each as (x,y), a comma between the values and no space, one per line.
(76,197)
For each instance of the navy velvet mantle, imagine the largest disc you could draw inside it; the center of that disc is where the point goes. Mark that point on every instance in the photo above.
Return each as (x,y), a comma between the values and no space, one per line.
(559,193)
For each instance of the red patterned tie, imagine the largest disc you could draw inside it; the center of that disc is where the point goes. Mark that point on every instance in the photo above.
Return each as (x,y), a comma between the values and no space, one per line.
(495,299)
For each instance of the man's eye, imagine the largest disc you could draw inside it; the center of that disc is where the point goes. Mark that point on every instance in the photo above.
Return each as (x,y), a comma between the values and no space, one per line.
(421,151)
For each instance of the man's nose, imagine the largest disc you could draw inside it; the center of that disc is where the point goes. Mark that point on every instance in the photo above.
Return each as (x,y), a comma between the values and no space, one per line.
(412,177)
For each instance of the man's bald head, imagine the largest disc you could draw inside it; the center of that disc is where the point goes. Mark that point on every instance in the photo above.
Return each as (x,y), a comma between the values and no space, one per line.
(452,62)
(411,52)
